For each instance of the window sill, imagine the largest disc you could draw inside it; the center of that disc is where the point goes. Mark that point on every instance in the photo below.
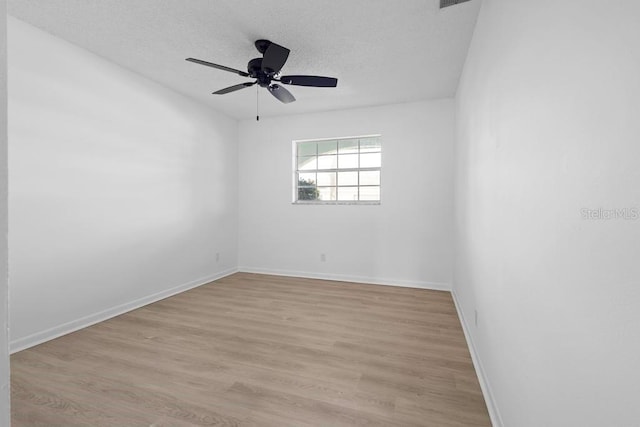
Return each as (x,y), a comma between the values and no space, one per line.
(337,203)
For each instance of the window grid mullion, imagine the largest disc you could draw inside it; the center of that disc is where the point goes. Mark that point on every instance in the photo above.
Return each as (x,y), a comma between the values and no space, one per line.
(337,163)
(340,170)
(358,169)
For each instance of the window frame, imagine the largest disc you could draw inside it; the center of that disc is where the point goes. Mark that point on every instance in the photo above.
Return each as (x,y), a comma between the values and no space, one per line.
(358,169)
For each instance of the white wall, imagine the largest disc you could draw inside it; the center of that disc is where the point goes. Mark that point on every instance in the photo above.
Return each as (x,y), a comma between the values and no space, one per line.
(120,189)
(4,288)
(405,240)
(547,124)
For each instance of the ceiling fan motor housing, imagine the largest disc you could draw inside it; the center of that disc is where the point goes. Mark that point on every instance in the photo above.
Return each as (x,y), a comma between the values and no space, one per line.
(254,68)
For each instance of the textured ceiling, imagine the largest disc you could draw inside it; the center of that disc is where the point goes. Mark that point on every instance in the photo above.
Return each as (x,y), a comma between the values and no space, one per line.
(382,51)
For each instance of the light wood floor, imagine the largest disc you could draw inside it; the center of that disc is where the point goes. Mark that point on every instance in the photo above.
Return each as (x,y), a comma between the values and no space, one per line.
(256,350)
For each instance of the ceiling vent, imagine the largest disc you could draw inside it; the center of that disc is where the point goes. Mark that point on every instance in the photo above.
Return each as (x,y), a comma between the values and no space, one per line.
(447,3)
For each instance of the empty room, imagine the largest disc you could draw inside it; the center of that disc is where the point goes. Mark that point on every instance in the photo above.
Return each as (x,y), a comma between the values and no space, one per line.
(320,213)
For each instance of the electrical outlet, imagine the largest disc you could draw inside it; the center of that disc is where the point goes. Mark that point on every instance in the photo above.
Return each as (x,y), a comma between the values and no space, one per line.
(475,320)
(217,256)
(323,257)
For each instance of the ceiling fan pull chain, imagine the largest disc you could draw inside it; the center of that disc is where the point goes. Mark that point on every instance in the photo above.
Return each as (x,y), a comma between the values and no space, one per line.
(257,104)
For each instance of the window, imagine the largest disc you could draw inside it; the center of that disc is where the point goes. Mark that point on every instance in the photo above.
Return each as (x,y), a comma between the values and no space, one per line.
(342,170)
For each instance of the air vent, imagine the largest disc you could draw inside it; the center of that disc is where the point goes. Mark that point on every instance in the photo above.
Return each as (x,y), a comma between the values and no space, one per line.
(447,3)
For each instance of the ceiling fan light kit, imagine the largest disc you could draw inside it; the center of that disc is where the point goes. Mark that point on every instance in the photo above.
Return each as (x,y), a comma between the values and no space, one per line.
(266,70)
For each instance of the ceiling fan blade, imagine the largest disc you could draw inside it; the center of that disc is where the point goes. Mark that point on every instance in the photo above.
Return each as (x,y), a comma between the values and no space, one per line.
(315,81)
(233,88)
(281,93)
(274,58)
(219,67)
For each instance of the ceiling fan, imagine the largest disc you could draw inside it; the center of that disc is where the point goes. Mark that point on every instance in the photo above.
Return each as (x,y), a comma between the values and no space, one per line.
(266,70)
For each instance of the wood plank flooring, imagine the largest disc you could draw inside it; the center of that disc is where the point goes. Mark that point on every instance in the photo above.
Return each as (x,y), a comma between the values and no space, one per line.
(258,350)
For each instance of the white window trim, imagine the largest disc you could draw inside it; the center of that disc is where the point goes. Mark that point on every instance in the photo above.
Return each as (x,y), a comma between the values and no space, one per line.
(294,157)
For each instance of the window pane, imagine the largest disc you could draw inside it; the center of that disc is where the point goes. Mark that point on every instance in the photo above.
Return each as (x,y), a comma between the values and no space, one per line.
(306,179)
(308,193)
(327,147)
(348,161)
(306,149)
(348,146)
(370,160)
(370,178)
(332,170)
(326,178)
(327,162)
(307,163)
(369,193)
(368,145)
(327,193)
(348,193)
(347,178)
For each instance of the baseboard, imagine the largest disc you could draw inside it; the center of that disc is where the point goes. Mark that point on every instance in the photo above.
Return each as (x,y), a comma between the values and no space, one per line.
(348,278)
(494,414)
(66,328)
